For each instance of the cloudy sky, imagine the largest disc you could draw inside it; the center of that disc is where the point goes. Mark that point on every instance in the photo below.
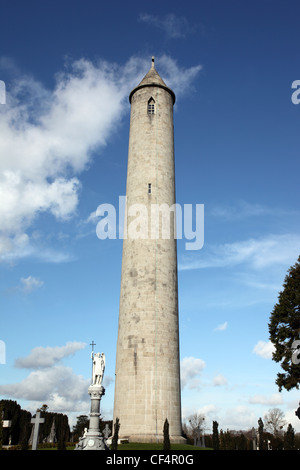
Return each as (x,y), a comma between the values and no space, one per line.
(64,122)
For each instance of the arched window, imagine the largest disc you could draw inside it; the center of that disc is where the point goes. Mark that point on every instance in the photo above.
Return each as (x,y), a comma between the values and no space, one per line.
(151,106)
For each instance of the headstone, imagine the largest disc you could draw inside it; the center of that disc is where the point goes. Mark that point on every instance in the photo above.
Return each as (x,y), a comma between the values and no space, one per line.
(254,443)
(106,432)
(36,426)
(52,435)
(6,423)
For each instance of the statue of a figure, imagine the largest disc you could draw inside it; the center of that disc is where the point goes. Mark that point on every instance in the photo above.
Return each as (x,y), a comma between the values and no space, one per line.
(98,368)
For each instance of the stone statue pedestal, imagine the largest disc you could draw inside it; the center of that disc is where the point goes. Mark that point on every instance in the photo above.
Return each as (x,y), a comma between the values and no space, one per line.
(92,438)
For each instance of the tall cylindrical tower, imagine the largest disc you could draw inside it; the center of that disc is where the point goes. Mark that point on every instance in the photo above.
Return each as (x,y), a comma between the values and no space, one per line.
(147,387)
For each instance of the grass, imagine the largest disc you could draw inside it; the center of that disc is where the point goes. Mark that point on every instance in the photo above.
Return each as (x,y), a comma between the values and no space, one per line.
(141,446)
(135,446)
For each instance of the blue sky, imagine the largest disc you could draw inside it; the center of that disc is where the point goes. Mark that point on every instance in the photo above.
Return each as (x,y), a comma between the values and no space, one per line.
(68,68)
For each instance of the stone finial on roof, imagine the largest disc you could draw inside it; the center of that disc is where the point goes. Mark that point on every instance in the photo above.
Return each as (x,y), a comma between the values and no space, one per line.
(152,78)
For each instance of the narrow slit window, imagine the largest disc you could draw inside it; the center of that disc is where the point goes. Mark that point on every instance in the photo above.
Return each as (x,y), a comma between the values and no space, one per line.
(151,106)
(149,188)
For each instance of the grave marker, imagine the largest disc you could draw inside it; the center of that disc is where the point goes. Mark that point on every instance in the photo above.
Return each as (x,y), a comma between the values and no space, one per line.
(36,423)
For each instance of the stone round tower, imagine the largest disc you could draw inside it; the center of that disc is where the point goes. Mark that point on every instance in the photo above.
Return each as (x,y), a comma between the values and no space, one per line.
(147,386)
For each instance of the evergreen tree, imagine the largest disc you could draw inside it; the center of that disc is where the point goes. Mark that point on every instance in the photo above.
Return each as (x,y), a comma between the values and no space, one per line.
(226,440)
(289,438)
(114,442)
(81,424)
(215,438)
(222,440)
(167,444)
(20,422)
(284,329)
(241,442)
(63,431)
(229,441)
(25,426)
(261,438)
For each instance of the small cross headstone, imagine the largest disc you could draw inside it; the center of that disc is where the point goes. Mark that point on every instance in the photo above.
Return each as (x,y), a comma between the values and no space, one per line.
(92,344)
(36,422)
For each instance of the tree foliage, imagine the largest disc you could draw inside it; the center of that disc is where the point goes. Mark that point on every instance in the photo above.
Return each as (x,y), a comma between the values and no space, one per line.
(20,429)
(195,426)
(78,429)
(61,427)
(284,330)
(274,421)
(227,440)
(114,442)
(262,441)
(289,438)
(167,444)
(215,437)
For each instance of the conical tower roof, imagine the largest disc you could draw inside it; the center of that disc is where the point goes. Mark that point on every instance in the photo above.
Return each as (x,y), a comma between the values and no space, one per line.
(152,78)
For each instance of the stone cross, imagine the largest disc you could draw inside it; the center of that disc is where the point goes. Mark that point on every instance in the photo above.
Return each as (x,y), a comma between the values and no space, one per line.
(92,344)
(36,422)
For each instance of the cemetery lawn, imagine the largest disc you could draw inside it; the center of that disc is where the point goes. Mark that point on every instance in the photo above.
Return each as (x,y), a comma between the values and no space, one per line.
(141,446)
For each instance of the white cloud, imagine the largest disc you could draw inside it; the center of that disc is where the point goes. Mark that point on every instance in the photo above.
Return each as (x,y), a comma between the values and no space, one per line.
(264,349)
(243,209)
(43,145)
(273,400)
(57,386)
(48,137)
(50,381)
(271,250)
(219,380)
(240,210)
(238,417)
(173,26)
(190,370)
(222,327)
(30,284)
(41,357)
(179,79)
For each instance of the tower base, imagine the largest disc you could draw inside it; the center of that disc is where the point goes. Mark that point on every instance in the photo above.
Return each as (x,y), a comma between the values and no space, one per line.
(152,439)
